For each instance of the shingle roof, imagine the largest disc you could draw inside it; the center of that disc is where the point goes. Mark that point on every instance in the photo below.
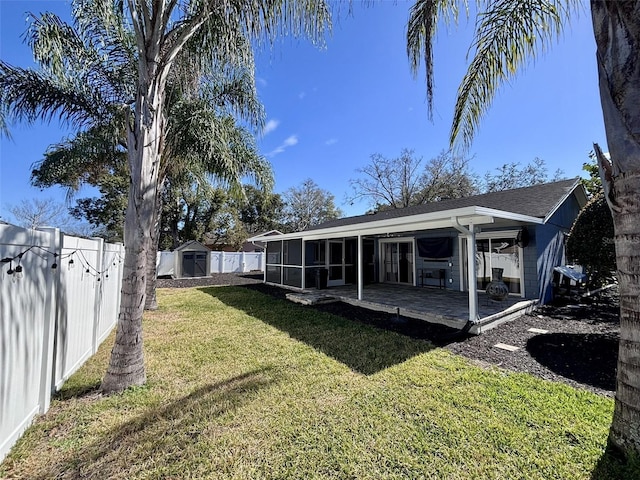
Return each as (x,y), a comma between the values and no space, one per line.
(536,201)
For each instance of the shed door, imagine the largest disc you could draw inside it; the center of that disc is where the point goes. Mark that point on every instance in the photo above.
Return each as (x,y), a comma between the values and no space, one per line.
(194,264)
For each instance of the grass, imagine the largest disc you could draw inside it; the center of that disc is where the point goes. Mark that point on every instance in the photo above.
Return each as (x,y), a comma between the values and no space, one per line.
(241,385)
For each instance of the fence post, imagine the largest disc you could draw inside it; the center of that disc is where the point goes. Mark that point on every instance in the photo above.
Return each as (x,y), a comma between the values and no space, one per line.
(243,263)
(50,322)
(98,295)
(221,262)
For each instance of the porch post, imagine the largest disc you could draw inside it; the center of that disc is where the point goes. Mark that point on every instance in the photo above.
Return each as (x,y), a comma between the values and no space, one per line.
(303,263)
(360,275)
(471,273)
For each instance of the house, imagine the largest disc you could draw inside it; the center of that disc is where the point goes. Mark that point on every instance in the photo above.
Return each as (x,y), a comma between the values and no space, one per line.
(453,245)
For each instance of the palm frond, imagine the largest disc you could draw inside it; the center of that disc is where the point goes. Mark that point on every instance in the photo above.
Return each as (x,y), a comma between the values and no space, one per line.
(422,26)
(198,136)
(509,33)
(81,159)
(100,55)
(30,95)
(224,29)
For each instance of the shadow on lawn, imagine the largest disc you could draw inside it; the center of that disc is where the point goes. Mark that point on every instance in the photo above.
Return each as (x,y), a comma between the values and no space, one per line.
(361,347)
(614,465)
(163,433)
(586,358)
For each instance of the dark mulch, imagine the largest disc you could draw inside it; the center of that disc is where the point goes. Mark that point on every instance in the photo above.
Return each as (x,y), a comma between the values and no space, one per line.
(580,347)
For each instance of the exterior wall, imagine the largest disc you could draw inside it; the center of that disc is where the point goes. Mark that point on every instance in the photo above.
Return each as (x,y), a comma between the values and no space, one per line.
(544,251)
(530,260)
(550,248)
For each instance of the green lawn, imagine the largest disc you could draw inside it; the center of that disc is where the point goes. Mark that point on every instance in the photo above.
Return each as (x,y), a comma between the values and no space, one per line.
(241,385)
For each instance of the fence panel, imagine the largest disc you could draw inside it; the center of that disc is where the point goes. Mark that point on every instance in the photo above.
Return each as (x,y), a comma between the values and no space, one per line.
(253,261)
(109,293)
(235,262)
(219,262)
(26,330)
(232,263)
(77,303)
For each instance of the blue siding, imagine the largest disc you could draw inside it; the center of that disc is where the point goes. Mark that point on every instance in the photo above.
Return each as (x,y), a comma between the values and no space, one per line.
(549,241)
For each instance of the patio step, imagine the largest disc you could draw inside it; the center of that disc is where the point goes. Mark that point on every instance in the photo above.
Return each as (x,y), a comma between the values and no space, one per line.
(307,298)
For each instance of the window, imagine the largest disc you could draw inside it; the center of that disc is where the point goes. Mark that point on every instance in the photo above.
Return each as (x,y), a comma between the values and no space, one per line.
(499,252)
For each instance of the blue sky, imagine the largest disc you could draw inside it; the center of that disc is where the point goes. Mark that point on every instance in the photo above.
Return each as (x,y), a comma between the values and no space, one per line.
(329,109)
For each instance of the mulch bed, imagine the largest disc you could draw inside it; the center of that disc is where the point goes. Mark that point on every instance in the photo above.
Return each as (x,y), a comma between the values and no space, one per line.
(580,347)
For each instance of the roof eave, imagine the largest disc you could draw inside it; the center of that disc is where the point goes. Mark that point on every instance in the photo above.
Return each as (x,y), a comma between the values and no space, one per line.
(426,221)
(577,189)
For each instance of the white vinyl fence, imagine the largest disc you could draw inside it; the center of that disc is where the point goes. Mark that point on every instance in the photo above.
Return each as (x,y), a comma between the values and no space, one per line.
(51,319)
(219,262)
(235,262)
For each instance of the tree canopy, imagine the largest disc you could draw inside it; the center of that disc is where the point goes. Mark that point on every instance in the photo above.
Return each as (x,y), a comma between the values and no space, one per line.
(408,180)
(308,205)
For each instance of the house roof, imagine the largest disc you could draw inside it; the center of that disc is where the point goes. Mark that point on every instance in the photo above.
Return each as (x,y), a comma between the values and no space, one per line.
(535,204)
(537,201)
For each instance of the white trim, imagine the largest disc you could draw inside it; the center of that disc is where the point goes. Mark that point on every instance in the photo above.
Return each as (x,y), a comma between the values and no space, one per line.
(424,221)
(359,262)
(328,264)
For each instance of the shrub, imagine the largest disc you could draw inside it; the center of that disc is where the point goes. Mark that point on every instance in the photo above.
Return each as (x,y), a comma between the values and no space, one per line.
(590,241)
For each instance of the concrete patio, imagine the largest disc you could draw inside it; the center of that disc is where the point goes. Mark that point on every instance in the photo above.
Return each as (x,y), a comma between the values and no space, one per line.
(435,305)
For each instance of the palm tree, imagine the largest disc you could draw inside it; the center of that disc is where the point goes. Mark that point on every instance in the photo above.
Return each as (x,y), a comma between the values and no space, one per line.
(173,40)
(220,29)
(201,129)
(510,32)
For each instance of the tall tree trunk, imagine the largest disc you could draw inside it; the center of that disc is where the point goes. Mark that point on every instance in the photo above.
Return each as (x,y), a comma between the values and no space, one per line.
(617,32)
(151,302)
(126,365)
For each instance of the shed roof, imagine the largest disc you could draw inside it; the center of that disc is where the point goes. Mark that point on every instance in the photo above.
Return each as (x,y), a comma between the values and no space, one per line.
(192,246)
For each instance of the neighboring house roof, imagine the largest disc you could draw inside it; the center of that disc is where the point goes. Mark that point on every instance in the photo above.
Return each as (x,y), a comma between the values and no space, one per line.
(534,204)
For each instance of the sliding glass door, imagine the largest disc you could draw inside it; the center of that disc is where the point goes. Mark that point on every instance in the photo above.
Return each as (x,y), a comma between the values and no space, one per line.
(397,261)
(503,253)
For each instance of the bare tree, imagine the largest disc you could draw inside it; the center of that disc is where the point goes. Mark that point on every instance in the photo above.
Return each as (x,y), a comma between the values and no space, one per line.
(35,213)
(511,175)
(407,180)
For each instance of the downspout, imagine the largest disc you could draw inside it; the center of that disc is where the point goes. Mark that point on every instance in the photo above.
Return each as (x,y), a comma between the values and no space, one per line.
(470,235)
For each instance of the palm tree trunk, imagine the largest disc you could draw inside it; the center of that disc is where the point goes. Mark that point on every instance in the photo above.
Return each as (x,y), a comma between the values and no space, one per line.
(126,365)
(151,301)
(617,33)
